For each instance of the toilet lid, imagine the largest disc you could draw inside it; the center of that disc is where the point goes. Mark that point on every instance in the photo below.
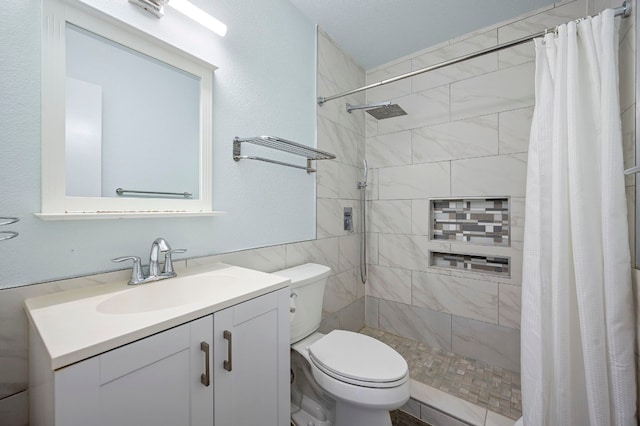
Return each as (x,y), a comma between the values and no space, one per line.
(358,359)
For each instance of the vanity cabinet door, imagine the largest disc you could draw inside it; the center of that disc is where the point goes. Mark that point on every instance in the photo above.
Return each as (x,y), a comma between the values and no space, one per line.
(155,381)
(251,362)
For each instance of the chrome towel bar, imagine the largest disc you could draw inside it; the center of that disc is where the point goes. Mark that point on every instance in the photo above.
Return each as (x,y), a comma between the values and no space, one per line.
(121,191)
(7,235)
(280,144)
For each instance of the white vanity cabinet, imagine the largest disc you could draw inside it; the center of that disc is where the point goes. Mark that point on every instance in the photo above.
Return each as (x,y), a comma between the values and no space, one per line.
(252,389)
(154,381)
(162,379)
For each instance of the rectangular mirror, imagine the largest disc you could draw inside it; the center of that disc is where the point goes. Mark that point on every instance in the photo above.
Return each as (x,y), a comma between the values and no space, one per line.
(126,120)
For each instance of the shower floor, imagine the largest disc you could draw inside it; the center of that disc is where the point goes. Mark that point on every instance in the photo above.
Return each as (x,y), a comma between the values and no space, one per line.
(496,389)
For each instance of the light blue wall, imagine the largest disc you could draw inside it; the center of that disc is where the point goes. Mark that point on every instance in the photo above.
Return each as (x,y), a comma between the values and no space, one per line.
(265,84)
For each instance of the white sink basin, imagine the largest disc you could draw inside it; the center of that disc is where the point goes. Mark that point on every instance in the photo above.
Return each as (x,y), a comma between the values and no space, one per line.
(164,294)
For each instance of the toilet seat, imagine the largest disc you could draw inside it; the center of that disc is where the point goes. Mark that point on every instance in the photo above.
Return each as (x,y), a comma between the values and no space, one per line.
(359,360)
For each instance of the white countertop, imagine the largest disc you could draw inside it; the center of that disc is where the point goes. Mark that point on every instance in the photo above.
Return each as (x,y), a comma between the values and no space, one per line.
(78,324)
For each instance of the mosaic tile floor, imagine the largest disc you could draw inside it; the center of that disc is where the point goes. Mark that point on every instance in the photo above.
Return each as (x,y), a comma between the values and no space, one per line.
(497,389)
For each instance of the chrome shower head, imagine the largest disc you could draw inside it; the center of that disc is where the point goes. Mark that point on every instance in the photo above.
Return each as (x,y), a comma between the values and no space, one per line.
(379,110)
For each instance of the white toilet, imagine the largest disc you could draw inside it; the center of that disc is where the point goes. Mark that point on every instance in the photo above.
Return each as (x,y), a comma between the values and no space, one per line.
(341,378)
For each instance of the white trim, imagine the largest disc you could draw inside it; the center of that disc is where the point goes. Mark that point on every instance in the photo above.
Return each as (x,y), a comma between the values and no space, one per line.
(55,203)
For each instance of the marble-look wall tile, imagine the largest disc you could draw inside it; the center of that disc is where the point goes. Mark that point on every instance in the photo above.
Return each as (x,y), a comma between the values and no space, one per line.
(508,176)
(495,419)
(340,141)
(14,325)
(516,55)
(463,297)
(420,324)
(474,137)
(470,413)
(415,181)
(329,110)
(509,308)
(420,217)
(408,251)
(497,346)
(423,109)
(329,323)
(412,407)
(389,284)
(337,66)
(267,259)
(14,410)
(532,25)
(349,177)
(514,129)
(391,217)
(352,317)
(392,149)
(437,417)
(349,252)
(372,248)
(460,71)
(355,120)
(330,217)
(627,70)
(541,21)
(517,218)
(336,111)
(324,251)
(628,119)
(328,179)
(339,292)
(371,311)
(502,90)
(372,191)
(389,91)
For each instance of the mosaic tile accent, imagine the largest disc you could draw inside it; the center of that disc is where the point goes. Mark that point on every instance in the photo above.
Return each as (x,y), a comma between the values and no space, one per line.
(494,265)
(480,221)
(496,389)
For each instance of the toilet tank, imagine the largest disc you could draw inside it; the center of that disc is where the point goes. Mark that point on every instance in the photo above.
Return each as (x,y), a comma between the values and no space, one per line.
(307,291)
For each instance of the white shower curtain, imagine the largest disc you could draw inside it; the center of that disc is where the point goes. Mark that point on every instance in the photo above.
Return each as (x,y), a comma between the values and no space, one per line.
(577,310)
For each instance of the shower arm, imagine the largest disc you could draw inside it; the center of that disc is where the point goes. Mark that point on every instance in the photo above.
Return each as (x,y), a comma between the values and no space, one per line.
(624,11)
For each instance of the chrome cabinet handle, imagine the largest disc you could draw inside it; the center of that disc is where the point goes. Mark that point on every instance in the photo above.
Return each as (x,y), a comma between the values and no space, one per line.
(227,363)
(205,378)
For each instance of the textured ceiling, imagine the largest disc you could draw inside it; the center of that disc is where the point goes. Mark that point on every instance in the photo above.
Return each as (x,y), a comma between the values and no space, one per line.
(374,32)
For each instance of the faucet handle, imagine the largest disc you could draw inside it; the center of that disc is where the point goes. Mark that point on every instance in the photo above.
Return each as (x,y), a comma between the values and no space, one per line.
(168,263)
(136,273)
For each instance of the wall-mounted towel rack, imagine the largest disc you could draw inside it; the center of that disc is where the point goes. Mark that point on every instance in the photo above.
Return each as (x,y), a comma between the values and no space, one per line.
(7,235)
(281,145)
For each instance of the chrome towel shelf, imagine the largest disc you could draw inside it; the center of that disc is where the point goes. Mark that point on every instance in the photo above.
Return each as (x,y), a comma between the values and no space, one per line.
(280,144)
(7,235)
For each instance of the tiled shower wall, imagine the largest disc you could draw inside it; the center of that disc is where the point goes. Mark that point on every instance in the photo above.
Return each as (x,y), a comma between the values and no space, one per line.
(343,307)
(466,135)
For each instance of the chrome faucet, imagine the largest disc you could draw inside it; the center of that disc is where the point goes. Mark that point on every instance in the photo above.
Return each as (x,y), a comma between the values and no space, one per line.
(158,246)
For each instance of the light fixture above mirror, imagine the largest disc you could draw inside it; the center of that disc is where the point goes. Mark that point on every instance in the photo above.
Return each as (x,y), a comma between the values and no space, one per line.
(156,7)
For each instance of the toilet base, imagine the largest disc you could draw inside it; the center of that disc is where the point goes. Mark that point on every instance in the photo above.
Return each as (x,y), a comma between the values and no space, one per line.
(353,415)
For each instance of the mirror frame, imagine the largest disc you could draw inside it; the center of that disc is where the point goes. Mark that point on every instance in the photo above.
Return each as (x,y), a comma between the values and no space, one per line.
(55,203)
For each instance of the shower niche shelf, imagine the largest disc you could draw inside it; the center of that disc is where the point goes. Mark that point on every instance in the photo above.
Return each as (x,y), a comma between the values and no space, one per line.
(283,145)
(483,264)
(484,221)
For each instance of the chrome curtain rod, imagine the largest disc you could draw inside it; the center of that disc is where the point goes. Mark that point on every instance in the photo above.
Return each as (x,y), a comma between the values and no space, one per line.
(624,11)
